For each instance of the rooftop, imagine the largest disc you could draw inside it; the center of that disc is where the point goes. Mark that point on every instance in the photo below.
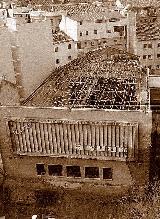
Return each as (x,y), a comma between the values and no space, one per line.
(148,29)
(60,36)
(107,78)
(93,13)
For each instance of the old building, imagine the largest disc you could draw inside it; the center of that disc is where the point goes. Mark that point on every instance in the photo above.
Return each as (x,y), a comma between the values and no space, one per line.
(148,42)
(65,49)
(92,27)
(86,129)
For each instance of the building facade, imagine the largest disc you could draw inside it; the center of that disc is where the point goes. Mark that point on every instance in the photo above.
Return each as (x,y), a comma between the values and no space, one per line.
(85,129)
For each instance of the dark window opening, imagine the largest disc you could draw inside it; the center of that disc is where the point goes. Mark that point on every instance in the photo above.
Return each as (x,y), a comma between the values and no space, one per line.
(40,169)
(149,57)
(69,46)
(95,31)
(158,55)
(80,33)
(108,31)
(145,46)
(69,57)
(57,61)
(150,46)
(56,49)
(107,173)
(79,46)
(87,33)
(91,172)
(73,171)
(158,44)
(55,170)
(119,29)
(144,56)
(80,22)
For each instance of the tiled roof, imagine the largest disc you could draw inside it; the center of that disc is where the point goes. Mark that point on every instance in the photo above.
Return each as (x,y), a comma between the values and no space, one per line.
(148,29)
(60,36)
(92,12)
(105,78)
(141,3)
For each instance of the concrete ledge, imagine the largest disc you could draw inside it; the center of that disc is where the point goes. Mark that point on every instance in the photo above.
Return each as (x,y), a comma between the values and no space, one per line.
(154,81)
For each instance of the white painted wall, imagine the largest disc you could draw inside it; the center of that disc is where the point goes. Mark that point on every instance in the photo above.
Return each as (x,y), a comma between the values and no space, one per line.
(69,26)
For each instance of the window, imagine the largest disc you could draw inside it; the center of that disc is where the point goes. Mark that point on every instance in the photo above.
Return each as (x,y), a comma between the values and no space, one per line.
(80,33)
(80,22)
(107,173)
(95,31)
(79,46)
(87,33)
(150,46)
(73,171)
(144,56)
(69,57)
(55,170)
(158,66)
(108,31)
(158,56)
(91,172)
(57,61)
(69,46)
(149,56)
(56,49)
(40,169)
(104,41)
(158,45)
(144,46)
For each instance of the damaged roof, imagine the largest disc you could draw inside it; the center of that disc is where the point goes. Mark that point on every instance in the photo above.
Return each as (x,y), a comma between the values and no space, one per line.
(104,78)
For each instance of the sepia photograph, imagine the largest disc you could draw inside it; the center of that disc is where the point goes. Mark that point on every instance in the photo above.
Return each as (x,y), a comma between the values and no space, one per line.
(79,109)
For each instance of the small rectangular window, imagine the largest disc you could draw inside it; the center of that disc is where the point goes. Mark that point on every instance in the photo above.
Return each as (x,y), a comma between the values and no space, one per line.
(55,170)
(69,46)
(150,46)
(91,172)
(144,46)
(69,57)
(107,173)
(79,45)
(73,171)
(108,31)
(149,56)
(158,45)
(80,33)
(158,56)
(144,56)
(57,61)
(56,49)
(95,31)
(40,169)
(87,33)
(80,22)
